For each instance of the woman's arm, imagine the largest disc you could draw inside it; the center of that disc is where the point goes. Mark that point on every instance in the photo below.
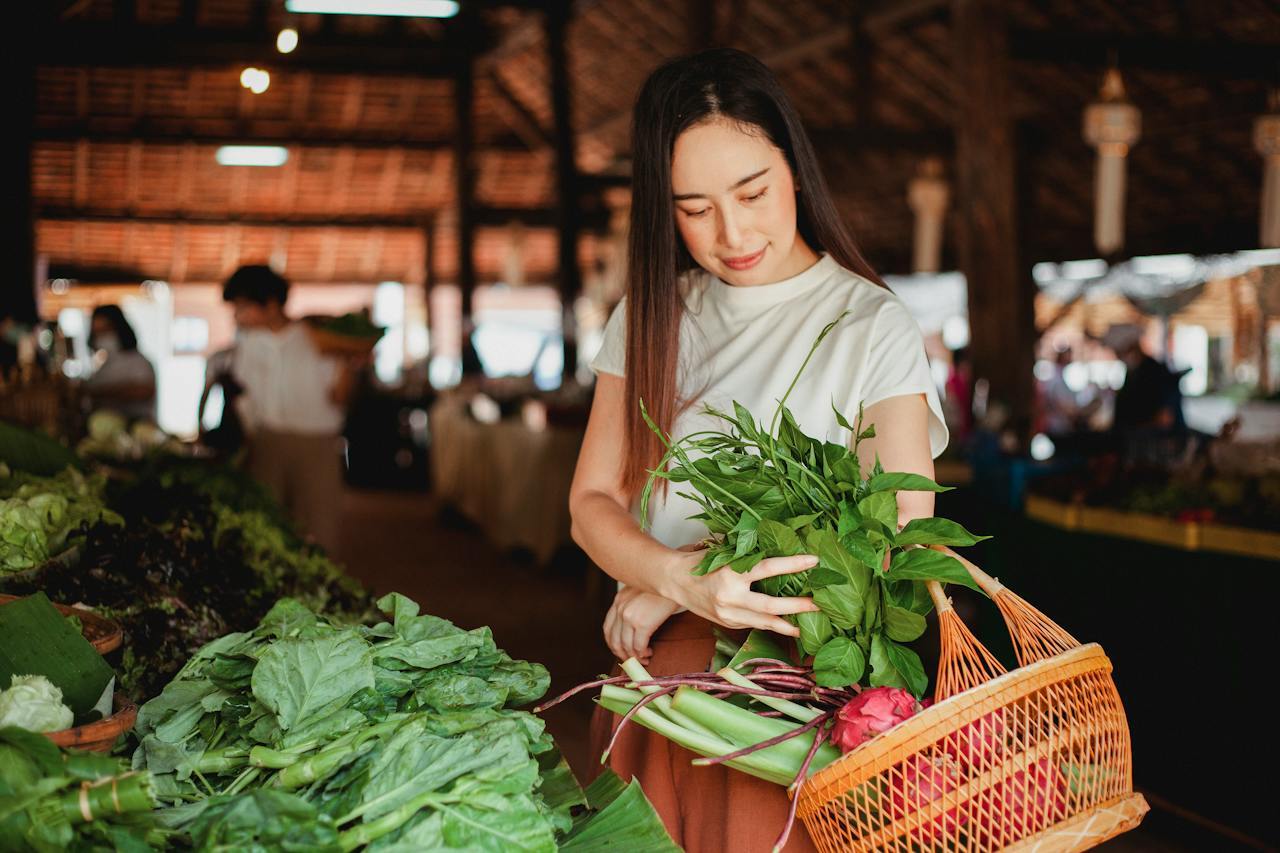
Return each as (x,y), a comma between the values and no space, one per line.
(606,530)
(902,444)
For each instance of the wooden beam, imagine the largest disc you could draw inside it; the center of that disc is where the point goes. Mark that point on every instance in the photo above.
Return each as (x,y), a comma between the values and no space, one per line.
(1001,293)
(568,213)
(18,267)
(255,132)
(517,116)
(76,44)
(484,217)
(464,186)
(1203,57)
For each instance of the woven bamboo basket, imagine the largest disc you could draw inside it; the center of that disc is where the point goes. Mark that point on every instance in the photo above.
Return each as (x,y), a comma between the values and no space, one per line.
(1037,759)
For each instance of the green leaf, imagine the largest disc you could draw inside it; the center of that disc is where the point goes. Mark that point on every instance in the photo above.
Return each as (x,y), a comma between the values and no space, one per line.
(298,679)
(842,604)
(841,419)
(911,595)
(778,540)
(903,482)
(839,663)
(799,521)
(823,577)
(881,507)
(871,609)
(924,564)
(935,531)
(908,665)
(902,625)
(850,519)
(893,665)
(833,555)
(746,562)
(847,470)
(857,544)
(815,630)
(627,822)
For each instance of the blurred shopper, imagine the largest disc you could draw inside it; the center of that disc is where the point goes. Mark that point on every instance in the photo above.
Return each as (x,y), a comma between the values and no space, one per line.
(124,381)
(227,436)
(1150,397)
(293,403)
(958,402)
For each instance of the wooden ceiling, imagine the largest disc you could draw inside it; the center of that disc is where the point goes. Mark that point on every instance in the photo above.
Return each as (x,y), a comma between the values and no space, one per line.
(134,96)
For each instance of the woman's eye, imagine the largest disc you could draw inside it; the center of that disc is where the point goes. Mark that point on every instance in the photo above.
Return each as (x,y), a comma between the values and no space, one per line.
(697,214)
(757,196)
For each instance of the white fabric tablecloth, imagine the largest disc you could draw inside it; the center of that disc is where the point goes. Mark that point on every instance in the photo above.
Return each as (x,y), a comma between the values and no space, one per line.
(510,480)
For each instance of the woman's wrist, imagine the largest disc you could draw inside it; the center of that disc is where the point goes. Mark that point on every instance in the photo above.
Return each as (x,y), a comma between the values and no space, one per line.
(674,577)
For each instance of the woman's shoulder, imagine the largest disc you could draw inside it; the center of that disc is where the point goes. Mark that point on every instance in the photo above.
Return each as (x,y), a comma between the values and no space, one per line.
(861,296)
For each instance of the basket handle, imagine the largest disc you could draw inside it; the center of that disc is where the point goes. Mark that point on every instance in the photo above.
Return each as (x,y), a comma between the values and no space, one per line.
(991,586)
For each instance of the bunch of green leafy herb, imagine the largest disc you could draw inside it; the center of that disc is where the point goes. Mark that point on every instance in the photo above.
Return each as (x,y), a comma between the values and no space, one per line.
(778,492)
(56,800)
(401,735)
(40,515)
(354,324)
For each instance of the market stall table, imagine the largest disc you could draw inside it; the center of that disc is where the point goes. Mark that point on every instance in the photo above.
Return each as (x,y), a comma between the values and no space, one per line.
(510,479)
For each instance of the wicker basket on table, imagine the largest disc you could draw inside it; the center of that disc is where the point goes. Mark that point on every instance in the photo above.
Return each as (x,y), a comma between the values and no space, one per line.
(1036,759)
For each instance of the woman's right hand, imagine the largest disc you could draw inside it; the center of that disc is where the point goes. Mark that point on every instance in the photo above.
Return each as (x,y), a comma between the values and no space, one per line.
(726,598)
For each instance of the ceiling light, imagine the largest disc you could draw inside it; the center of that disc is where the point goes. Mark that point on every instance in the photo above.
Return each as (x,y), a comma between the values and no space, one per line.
(255,80)
(287,40)
(398,8)
(252,155)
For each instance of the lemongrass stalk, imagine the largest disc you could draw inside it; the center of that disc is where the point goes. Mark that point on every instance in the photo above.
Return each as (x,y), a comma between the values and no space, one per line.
(746,728)
(638,673)
(764,766)
(795,711)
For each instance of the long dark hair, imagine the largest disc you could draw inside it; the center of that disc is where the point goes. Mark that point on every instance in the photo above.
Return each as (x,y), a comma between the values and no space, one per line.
(115,318)
(682,93)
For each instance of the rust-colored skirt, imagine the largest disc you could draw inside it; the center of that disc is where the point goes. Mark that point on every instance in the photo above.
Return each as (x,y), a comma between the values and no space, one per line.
(706,809)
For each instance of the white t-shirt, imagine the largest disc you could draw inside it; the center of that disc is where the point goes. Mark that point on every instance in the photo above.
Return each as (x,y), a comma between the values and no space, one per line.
(747,344)
(125,367)
(286,382)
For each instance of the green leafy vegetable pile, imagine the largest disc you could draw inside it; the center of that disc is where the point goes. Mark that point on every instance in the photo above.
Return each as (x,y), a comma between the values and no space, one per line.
(38,515)
(779,492)
(354,324)
(55,800)
(404,735)
(187,568)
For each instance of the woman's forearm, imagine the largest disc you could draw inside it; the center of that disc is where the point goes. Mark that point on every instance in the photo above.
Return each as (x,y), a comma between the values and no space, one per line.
(614,541)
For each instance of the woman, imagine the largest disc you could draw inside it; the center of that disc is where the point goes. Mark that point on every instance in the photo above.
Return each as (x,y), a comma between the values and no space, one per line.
(737,259)
(125,381)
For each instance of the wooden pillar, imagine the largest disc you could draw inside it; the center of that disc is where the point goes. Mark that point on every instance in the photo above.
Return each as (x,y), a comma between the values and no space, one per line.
(1001,291)
(17,213)
(464,191)
(568,205)
(702,25)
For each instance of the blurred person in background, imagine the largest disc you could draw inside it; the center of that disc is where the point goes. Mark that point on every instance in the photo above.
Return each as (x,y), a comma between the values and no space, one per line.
(124,380)
(292,405)
(957,404)
(1150,398)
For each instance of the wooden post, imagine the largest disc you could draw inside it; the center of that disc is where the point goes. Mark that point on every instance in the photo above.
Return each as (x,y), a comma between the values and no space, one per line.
(1001,292)
(568,205)
(464,189)
(17,215)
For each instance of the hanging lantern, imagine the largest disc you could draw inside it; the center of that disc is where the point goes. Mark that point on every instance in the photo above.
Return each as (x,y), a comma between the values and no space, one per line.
(928,195)
(1266,138)
(1111,125)
(513,261)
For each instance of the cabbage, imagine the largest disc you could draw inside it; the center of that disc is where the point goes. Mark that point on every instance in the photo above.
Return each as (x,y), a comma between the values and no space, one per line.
(32,702)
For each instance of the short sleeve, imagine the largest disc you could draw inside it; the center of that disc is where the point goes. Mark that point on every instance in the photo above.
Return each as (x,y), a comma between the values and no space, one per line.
(612,357)
(898,366)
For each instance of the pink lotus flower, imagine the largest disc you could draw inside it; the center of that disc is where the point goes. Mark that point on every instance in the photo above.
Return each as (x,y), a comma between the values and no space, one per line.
(870,713)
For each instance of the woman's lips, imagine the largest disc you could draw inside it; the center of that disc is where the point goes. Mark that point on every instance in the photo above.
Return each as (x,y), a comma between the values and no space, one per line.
(745,262)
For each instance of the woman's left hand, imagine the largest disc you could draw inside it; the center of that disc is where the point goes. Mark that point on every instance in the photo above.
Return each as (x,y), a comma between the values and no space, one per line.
(631,621)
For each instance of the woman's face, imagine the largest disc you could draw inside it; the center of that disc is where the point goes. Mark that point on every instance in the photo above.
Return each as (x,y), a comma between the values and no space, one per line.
(735,205)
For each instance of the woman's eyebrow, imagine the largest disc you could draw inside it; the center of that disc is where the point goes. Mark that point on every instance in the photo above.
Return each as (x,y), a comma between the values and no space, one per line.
(748,179)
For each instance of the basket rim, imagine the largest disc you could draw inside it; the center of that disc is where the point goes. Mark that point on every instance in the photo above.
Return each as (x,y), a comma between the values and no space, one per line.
(123,714)
(883,749)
